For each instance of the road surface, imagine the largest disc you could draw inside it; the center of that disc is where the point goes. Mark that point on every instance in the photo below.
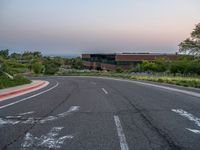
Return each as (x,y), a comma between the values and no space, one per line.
(82,113)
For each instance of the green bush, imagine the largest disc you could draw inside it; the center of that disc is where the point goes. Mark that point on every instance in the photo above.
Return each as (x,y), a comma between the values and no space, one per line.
(37,67)
(119,70)
(51,69)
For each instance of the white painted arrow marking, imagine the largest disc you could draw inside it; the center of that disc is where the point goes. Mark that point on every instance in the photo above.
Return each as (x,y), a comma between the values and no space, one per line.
(190,117)
(46,141)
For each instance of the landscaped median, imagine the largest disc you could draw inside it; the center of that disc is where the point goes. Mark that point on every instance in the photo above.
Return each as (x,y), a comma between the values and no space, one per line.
(22,89)
(6,82)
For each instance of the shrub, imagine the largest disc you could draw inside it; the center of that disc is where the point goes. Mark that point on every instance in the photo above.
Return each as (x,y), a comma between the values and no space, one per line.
(51,69)
(37,67)
(119,70)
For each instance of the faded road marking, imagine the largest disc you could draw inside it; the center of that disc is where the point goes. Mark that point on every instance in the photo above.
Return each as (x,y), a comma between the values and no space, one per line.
(194,130)
(24,99)
(104,91)
(121,135)
(71,110)
(26,113)
(30,120)
(93,83)
(50,140)
(154,85)
(190,117)
(144,83)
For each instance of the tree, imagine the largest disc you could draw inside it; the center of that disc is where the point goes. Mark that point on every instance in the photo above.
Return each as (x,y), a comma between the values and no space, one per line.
(4,53)
(15,56)
(37,54)
(192,45)
(27,55)
(77,63)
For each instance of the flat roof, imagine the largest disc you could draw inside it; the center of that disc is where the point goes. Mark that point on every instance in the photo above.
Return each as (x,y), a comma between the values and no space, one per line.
(132,54)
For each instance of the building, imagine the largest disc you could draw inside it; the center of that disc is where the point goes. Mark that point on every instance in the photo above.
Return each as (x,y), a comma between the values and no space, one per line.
(124,60)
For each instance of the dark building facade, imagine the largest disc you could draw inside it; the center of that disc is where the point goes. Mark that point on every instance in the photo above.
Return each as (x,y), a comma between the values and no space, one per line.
(111,61)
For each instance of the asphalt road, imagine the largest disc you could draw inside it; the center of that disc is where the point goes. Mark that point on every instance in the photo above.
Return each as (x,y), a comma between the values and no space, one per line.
(79,113)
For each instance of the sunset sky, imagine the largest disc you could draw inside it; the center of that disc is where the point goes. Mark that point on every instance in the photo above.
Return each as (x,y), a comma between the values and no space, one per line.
(91,26)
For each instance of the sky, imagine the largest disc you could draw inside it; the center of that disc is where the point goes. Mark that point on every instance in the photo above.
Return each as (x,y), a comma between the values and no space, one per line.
(65,27)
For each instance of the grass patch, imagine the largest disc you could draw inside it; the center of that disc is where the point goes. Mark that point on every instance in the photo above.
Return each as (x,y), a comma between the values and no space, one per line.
(181,81)
(6,82)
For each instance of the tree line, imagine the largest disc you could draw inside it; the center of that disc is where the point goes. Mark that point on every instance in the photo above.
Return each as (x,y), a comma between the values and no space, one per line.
(35,62)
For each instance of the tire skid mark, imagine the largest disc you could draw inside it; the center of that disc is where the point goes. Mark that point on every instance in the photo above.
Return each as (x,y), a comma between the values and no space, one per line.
(20,136)
(149,123)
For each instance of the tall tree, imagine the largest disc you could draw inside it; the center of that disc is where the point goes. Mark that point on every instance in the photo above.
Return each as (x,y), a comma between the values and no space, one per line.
(192,45)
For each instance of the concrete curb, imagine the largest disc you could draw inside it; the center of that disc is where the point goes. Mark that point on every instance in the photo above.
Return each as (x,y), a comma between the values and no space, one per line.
(22,91)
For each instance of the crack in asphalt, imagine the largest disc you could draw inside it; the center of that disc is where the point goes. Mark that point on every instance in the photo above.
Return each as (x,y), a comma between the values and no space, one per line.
(35,124)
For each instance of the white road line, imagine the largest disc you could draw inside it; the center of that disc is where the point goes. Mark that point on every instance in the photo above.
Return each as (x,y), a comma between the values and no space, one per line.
(147,84)
(190,117)
(24,99)
(157,86)
(120,132)
(104,91)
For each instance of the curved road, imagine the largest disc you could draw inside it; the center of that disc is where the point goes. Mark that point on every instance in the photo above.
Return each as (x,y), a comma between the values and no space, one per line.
(82,113)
